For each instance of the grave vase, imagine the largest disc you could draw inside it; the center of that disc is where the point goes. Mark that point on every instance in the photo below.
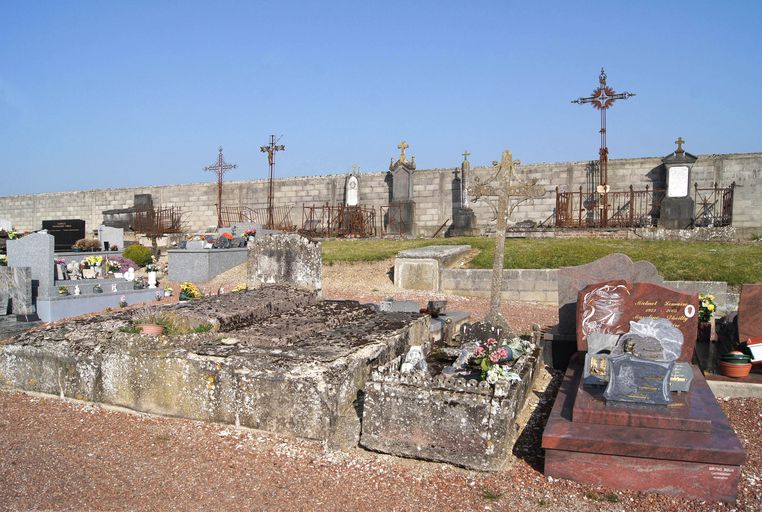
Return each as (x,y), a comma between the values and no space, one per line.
(706,347)
(152,279)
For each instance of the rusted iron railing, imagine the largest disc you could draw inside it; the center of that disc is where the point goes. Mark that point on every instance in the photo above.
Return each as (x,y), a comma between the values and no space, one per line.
(338,220)
(281,216)
(628,208)
(392,222)
(714,205)
(158,221)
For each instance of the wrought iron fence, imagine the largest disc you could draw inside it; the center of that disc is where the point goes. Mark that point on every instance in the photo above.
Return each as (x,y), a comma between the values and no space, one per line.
(158,221)
(713,206)
(338,220)
(629,208)
(392,221)
(281,216)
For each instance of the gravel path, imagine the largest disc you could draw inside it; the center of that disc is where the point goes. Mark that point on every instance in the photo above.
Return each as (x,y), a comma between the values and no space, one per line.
(68,455)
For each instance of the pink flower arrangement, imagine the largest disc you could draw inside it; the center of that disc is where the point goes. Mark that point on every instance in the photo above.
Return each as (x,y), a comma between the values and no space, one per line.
(489,353)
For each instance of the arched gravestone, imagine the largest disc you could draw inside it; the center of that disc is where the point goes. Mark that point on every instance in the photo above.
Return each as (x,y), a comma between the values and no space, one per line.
(352,191)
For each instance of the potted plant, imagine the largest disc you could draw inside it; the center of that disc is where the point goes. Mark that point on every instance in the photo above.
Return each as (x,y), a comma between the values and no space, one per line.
(189,291)
(735,364)
(148,322)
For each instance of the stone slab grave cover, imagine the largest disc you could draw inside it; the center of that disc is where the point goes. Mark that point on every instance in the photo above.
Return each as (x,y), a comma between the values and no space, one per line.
(285,259)
(36,252)
(433,416)
(66,232)
(750,312)
(609,307)
(277,360)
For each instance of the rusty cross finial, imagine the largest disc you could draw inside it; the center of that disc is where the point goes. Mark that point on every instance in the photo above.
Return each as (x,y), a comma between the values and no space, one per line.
(270,149)
(220,168)
(402,147)
(679,143)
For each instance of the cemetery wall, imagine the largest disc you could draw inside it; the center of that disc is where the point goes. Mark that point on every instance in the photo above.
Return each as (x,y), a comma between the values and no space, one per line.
(432,191)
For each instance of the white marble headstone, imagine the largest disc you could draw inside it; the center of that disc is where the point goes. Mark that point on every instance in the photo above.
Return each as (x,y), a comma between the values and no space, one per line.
(677,181)
(353,189)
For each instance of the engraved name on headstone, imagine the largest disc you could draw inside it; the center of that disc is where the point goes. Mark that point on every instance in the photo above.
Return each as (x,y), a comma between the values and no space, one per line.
(610,306)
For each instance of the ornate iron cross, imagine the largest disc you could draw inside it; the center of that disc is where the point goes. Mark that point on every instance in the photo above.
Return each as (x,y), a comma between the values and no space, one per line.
(220,168)
(270,149)
(507,187)
(603,98)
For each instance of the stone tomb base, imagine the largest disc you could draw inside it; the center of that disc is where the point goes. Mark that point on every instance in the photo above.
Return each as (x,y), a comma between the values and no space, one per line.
(278,360)
(686,449)
(463,422)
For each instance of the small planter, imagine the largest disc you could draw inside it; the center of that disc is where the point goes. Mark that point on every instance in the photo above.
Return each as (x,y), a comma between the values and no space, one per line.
(735,370)
(153,329)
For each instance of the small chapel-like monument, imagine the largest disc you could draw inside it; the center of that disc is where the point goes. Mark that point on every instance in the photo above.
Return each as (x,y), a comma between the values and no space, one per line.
(400,216)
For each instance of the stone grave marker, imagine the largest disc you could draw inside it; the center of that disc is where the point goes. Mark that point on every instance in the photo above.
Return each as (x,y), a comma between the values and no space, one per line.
(614,266)
(352,191)
(750,312)
(637,380)
(111,237)
(511,191)
(609,307)
(35,251)
(285,259)
(66,232)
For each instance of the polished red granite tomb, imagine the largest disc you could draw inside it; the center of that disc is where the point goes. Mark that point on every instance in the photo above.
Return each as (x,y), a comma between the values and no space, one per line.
(686,450)
(610,306)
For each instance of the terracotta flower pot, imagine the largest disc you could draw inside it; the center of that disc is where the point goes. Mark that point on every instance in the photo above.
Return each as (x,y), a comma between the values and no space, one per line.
(152,329)
(734,369)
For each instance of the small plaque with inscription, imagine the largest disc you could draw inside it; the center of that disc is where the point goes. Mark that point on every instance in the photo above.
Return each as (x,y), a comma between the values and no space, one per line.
(681,377)
(636,380)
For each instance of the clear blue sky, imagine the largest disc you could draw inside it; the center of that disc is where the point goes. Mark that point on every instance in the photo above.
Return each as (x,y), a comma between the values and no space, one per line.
(106,94)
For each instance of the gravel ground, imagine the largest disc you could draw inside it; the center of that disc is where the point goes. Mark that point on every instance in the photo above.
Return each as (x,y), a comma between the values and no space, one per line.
(67,455)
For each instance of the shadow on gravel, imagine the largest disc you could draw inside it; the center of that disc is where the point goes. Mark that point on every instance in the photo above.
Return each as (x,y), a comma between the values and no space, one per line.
(528,445)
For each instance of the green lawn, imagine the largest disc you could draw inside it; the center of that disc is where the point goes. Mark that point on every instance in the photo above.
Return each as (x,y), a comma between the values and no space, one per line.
(734,263)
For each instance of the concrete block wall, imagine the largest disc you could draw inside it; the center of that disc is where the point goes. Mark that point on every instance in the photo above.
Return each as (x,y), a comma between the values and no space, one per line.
(432,189)
(525,285)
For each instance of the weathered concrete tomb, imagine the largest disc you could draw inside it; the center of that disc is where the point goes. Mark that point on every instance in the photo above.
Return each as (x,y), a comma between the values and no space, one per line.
(465,422)
(275,359)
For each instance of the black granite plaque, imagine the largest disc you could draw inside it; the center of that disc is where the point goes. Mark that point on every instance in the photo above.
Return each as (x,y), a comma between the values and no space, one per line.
(636,380)
(65,232)
(681,377)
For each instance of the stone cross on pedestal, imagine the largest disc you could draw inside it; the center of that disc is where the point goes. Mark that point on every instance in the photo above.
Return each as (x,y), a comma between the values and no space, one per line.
(680,142)
(510,191)
(402,146)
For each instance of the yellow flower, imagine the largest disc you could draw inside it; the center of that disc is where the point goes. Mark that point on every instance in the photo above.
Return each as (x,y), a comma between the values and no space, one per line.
(710,307)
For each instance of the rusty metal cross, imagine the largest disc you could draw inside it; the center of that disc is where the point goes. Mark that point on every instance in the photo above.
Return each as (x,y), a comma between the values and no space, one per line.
(603,98)
(220,168)
(511,191)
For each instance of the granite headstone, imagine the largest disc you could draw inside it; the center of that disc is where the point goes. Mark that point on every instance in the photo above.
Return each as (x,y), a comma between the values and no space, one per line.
(610,306)
(614,266)
(111,237)
(66,232)
(35,251)
(750,312)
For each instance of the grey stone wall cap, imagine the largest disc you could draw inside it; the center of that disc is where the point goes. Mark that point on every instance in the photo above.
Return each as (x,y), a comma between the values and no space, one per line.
(434,251)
